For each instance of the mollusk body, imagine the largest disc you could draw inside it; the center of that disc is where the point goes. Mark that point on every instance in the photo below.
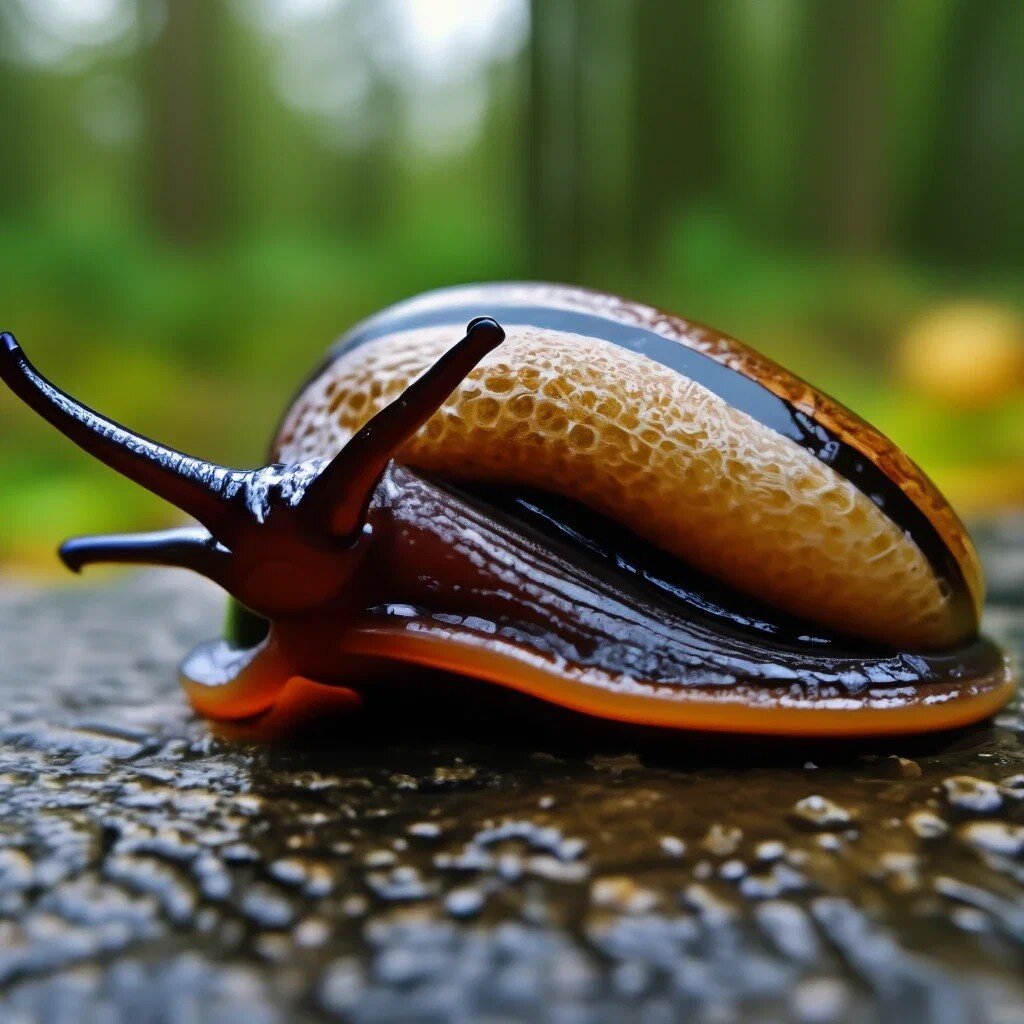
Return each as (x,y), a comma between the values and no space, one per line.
(584,500)
(712,457)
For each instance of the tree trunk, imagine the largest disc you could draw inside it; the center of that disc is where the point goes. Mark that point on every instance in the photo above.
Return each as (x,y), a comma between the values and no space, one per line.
(187,172)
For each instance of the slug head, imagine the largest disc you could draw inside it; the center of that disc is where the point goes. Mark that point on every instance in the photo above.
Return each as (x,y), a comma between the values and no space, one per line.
(281,539)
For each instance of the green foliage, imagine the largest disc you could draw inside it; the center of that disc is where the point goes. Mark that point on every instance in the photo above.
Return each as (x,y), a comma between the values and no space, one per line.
(180,238)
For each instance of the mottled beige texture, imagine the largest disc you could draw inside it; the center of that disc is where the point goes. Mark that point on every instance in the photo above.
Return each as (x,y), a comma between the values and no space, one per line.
(657,452)
(728,351)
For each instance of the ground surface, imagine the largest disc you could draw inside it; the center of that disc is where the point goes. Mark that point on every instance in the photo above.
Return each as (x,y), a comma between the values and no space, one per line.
(403,872)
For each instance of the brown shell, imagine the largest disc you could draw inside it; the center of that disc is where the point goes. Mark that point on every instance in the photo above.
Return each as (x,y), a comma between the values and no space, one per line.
(660,453)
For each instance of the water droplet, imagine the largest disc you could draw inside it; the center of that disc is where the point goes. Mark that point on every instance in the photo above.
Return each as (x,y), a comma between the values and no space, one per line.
(969,795)
(817,811)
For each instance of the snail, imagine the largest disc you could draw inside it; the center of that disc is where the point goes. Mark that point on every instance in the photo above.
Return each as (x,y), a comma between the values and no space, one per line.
(584,499)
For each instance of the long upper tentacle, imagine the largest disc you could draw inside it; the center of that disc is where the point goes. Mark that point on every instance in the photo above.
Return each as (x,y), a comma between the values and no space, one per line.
(337,500)
(200,488)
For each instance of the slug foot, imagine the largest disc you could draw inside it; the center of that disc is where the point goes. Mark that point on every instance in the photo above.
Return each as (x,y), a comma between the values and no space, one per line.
(252,692)
(754,706)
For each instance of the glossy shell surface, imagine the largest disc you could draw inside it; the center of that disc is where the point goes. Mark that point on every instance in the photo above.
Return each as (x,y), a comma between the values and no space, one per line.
(684,436)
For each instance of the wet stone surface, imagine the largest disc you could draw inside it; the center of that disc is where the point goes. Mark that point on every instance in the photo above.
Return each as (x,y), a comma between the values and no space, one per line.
(485,866)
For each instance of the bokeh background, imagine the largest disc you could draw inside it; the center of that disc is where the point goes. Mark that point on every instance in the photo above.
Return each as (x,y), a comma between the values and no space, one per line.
(196,196)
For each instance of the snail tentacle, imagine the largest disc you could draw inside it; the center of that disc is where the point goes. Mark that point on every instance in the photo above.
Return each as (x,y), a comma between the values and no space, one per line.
(202,489)
(341,494)
(185,547)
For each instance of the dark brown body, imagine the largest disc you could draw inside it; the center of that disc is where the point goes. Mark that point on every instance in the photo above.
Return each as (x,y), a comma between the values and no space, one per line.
(450,580)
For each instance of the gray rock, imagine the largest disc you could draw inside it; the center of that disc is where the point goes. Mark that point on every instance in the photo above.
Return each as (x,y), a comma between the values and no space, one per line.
(429,871)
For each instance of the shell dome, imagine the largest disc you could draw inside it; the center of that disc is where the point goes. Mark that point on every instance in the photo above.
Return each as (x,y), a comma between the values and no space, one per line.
(691,440)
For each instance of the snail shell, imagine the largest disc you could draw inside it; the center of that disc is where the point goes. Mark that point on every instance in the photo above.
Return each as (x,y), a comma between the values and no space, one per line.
(684,436)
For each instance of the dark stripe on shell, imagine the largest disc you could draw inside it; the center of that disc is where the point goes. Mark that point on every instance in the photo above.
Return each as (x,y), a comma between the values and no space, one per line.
(738,390)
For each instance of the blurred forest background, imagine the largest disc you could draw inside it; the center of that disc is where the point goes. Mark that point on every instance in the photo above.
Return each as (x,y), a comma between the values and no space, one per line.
(197,196)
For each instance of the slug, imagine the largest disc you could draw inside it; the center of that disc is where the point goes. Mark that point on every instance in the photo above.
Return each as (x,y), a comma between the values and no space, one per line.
(597,504)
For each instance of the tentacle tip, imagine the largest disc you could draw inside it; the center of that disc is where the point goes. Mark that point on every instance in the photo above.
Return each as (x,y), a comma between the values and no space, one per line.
(11,352)
(487,329)
(69,555)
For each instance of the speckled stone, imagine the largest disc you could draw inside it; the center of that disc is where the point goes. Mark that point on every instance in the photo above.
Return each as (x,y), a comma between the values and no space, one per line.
(479,866)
